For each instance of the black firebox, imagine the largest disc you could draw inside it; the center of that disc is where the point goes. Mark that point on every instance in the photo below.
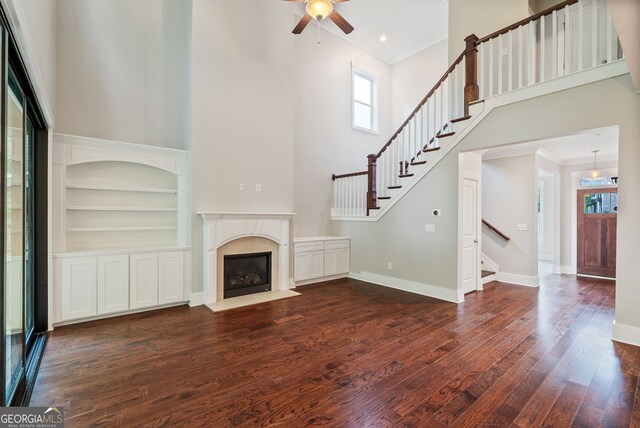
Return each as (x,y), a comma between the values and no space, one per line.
(246,274)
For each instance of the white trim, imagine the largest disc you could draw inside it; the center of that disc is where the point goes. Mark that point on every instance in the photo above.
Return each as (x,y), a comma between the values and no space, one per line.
(425,46)
(422,289)
(595,276)
(513,278)
(220,228)
(568,270)
(318,280)
(196,299)
(490,263)
(626,334)
(118,314)
(585,77)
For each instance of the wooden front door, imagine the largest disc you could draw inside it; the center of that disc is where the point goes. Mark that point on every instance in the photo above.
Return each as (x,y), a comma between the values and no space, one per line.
(597,223)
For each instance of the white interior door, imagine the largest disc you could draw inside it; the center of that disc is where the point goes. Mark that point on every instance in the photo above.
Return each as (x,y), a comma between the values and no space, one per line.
(469,235)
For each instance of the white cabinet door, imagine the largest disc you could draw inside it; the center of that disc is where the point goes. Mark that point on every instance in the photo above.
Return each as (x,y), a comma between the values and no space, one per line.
(78,288)
(336,262)
(308,265)
(143,280)
(170,277)
(113,283)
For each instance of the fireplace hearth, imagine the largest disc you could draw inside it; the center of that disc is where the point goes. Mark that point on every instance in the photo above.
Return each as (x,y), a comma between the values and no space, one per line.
(246,274)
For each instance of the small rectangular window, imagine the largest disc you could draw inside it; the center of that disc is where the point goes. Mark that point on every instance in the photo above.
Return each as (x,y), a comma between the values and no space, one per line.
(364,99)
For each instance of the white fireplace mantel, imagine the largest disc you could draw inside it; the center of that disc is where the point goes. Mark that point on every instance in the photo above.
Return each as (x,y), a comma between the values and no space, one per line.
(221,228)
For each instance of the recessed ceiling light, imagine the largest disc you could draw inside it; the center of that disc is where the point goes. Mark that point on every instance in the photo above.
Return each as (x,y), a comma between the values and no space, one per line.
(383,38)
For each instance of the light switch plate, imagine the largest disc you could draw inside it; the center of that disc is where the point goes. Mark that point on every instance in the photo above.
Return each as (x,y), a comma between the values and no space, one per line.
(430,228)
(522,227)
(258,187)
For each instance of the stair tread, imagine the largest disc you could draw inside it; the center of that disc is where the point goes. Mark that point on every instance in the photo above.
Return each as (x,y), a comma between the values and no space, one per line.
(384,197)
(460,119)
(448,134)
(394,187)
(405,175)
(418,163)
(431,149)
(486,273)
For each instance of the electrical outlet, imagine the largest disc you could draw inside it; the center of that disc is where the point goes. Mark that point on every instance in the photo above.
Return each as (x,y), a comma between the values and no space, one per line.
(389,266)
(241,186)
(258,187)
(522,227)
(430,228)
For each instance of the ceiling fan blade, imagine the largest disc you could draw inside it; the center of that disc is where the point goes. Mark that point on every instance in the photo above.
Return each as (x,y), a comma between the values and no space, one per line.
(341,22)
(302,24)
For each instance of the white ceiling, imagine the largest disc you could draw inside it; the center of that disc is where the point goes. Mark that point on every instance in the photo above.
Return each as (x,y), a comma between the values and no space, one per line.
(410,25)
(568,150)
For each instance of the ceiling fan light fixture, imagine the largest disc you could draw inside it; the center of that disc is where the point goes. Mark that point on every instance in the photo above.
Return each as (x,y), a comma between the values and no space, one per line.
(319,9)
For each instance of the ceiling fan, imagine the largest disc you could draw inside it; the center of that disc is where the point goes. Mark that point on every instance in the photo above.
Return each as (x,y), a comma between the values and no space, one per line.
(319,10)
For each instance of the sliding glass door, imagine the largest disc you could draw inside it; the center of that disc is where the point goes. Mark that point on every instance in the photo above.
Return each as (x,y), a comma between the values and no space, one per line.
(24,140)
(14,239)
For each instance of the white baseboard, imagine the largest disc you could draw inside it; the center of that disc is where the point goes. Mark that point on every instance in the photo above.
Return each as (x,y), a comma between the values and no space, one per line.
(557,269)
(317,280)
(196,299)
(512,278)
(626,334)
(489,278)
(568,270)
(428,290)
(546,258)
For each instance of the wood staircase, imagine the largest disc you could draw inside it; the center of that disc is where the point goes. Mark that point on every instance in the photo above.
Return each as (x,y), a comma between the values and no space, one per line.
(531,49)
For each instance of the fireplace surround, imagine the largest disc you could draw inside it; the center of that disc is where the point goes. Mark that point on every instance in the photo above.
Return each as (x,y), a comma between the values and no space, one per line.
(220,229)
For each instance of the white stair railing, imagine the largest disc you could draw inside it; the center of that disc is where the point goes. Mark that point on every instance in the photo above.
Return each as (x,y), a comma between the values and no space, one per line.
(576,37)
(350,195)
(572,36)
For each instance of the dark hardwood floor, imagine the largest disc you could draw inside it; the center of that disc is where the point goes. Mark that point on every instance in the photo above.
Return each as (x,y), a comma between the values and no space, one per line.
(348,353)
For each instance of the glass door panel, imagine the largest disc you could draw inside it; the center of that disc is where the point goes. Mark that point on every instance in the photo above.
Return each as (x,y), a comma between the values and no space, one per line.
(29,248)
(14,241)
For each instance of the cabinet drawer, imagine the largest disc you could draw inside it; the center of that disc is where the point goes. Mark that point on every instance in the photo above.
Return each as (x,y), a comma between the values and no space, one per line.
(303,247)
(336,244)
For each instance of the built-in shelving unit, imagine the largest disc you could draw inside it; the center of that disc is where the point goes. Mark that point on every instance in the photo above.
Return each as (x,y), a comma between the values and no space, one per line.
(121,225)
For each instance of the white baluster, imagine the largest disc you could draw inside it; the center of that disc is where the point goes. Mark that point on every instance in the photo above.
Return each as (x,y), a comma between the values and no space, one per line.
(481,70)
(520,57)
(543,42)
(594,33)
(568,37)
(580,35)
(500,61)
(491,60)
(510,59)
(531,55)
(463,73)
(610,35)
(554,44)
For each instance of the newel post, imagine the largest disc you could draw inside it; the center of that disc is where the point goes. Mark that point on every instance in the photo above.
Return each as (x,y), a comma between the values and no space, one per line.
(372,197)
(471,89)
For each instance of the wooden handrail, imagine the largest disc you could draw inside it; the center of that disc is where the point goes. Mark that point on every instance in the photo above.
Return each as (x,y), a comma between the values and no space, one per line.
(527,20)
(422,103)
(495,230)
(334,177)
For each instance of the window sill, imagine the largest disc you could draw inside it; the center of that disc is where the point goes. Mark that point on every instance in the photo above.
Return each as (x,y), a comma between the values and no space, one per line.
(368,131)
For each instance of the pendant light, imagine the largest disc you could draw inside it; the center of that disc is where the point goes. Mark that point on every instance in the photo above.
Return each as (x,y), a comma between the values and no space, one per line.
(596,172)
